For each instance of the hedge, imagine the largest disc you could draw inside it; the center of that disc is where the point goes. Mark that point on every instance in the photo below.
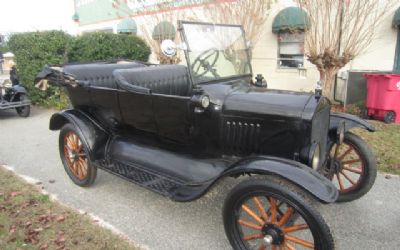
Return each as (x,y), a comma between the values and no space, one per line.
(33,50)
(106,46)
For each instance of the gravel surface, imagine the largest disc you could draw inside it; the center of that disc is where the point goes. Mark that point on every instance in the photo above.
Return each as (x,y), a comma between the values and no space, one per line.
(154,222)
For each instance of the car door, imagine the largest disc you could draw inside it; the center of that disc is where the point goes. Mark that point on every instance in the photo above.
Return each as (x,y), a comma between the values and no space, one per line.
(136,105)
(172,116)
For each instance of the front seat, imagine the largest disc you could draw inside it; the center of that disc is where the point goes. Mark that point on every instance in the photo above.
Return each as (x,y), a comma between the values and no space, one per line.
(161,79)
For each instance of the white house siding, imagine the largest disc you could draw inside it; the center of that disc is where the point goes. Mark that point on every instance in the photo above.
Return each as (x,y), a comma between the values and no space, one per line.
(379,56)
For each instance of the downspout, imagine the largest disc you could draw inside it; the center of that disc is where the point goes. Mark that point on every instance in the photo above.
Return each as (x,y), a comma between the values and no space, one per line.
(339,47)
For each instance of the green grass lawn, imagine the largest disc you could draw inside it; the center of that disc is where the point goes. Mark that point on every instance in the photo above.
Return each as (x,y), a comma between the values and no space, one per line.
(385,143)
(30,220)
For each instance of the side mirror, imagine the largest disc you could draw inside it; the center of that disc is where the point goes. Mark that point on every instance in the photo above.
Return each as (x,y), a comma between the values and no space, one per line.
(168,48)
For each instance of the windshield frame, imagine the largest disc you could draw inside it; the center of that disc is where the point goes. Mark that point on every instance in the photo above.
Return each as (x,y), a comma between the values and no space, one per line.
(187,50)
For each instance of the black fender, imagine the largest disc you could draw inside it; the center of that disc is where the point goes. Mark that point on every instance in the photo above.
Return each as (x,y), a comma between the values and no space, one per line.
(17,90)
(93,135)
(351,121)
(295,172)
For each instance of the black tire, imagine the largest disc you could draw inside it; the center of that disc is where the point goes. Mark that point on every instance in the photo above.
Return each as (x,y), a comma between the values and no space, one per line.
(364,114)
(23,111)
(80,169)
(365,175)
(283,191)
(389,117)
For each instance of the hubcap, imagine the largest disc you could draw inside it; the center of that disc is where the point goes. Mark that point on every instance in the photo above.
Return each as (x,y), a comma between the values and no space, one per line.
(268,239)
(273,233)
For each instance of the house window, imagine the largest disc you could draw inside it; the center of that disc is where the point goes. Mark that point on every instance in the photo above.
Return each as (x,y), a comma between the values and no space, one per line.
(291,50)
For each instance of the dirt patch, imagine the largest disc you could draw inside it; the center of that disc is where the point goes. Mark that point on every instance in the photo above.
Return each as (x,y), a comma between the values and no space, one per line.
(385,143)
(30,220)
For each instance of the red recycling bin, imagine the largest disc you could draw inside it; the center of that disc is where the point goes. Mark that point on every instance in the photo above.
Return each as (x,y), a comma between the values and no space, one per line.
(383,97)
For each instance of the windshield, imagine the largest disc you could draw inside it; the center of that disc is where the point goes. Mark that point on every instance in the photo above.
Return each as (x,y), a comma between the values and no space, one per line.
(215,51)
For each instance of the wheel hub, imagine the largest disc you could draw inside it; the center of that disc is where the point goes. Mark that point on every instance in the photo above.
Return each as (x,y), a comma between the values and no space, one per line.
(273,234)
(337,165)
(75,156)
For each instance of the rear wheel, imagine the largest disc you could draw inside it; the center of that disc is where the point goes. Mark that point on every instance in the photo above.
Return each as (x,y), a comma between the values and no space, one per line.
(389,117)
(267,214)
(25,110)
(75,157)
(353,168)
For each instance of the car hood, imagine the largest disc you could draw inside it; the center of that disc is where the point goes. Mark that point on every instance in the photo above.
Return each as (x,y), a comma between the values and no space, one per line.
(240,99)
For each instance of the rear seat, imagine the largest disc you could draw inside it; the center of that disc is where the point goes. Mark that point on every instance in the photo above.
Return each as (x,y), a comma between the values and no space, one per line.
(99,74)
(161,79)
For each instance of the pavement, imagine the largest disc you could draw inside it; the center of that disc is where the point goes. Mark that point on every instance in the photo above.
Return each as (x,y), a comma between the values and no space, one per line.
(155,222)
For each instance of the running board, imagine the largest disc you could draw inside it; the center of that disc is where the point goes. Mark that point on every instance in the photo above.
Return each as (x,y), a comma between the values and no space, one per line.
(143,177)
(177,176)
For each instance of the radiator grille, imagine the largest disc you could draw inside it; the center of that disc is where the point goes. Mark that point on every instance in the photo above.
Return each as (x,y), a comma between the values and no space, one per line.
(320,127)
(240,137)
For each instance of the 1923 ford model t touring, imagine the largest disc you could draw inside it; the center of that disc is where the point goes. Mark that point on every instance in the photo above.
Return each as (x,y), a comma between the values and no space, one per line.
(178,130)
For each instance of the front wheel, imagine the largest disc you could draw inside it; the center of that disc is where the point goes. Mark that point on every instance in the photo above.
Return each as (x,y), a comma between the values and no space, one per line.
(25,110)
(352,167)
(271,214)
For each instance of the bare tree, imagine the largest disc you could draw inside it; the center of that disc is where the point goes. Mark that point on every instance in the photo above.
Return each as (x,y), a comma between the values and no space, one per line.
(165,23)
(160,18)
(251,14)
(339,31)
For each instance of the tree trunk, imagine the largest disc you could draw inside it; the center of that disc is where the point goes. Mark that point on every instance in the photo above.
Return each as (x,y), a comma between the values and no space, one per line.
(328,79)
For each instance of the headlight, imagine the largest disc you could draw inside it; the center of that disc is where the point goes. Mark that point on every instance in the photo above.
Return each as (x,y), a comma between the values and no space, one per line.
(340,133)
(316,156)
(205,101)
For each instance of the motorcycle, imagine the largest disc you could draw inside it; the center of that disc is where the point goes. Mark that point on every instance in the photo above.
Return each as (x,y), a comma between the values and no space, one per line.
(14,95)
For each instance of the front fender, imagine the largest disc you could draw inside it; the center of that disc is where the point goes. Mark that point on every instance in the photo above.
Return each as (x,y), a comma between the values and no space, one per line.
(93,135)
(293,171)
(19,89)
(351,121)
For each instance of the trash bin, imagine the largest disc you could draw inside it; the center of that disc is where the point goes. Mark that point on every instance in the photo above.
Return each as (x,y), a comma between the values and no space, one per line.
(383,97)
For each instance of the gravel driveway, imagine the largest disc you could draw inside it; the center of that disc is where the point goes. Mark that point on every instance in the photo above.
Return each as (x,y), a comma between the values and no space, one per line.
(155,222)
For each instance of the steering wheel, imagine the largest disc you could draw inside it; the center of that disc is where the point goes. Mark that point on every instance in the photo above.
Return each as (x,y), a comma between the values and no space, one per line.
(202,62)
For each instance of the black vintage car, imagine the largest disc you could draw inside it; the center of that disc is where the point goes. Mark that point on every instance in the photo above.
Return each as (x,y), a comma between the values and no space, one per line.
(14,96)
(178,130)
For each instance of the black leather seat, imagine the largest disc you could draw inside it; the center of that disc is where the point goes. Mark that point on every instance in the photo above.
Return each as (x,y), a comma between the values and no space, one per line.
(99,74)
(161,79)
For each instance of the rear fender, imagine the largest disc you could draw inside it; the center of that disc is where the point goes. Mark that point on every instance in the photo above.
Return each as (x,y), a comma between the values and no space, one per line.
(93,135)
(295,172)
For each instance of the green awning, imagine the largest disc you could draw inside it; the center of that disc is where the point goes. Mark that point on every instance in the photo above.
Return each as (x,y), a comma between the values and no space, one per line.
(291,18)
(396,18)
(75,17)
(127,25)
(164,30)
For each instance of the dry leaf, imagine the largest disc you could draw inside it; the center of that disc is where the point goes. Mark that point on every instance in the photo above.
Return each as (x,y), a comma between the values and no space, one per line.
(44,246)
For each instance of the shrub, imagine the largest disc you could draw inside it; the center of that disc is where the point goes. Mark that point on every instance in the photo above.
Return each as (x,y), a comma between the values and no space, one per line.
(32,51)
(106,46)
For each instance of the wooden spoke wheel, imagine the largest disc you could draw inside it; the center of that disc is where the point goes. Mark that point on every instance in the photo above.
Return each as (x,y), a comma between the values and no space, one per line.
(262,215)
(353,167)
(74,155)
